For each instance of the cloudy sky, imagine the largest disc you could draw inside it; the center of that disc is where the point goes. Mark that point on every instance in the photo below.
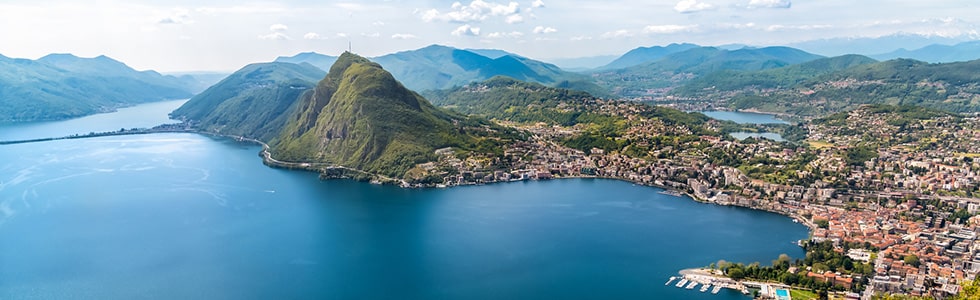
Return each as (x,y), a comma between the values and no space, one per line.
(185,35)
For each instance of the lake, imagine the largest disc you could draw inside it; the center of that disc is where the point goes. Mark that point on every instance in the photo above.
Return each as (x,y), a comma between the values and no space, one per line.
(744,117)
(185,216)
(140,116)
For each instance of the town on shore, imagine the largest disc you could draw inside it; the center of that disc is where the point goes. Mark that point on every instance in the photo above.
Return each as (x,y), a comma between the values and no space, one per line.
(907,209)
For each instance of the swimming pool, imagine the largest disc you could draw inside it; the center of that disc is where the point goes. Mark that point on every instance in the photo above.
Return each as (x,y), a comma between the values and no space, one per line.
(782,294)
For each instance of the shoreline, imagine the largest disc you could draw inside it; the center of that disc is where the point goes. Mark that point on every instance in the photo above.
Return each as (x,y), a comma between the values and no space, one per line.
(705,276)
(269,161)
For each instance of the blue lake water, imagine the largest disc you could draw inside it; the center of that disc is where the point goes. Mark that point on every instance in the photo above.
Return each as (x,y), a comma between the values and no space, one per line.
(744,117)
(184,216)
(140,116)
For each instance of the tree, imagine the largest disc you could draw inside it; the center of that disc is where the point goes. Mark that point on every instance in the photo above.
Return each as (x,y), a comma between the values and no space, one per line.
(736,273)
(822,223)
(970,291)
(912,260)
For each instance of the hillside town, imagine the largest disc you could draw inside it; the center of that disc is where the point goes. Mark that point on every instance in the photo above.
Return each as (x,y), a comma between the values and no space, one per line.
(909,208)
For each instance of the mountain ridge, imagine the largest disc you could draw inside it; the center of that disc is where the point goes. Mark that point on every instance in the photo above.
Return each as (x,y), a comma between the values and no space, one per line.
(62,86)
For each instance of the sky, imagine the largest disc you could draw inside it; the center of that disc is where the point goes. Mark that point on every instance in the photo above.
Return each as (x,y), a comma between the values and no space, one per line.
(224,35)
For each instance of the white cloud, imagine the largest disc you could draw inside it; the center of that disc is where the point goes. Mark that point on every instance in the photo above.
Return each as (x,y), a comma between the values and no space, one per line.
(692,6)
(279,36)
(770,4)
(500,35)
(378,23)
(543,30)
(622,33)
(342,35)
(371,35)
(476,11)
(313,36)
(667,29)
(278,27)
(466,30)
(514,19)
(403,36)
(580,38)
(179,16)
(537,4)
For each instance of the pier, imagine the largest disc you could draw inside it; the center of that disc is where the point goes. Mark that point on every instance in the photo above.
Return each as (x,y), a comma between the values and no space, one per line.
(708,279)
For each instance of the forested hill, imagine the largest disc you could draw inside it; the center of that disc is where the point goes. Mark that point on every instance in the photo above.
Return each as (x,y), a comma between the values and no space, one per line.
(680,67)
(62,86)
(253,102)
(359,116)
(953,87)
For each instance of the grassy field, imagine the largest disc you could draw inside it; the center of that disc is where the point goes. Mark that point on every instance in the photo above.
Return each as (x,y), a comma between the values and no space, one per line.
(802,295)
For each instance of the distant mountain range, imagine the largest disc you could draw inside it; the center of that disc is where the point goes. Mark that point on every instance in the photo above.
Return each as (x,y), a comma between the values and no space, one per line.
(673,69)
(439,67)
(836,84)
(61,86)
(318,60)
(643,55)
(871,46)
(936,53)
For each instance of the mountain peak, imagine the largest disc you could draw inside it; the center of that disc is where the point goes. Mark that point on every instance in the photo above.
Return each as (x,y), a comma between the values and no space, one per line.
(359,116)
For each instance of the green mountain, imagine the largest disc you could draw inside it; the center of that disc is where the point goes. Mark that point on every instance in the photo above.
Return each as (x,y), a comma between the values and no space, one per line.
(316,59)
(509,99)
(953,87)
(359,116)
(677,68)
(643,55)
(61,86)
(729,80)
(254,101)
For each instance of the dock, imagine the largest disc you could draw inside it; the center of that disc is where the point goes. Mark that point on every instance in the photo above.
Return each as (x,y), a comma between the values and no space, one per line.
(681,283)
(710,280)
(670,280)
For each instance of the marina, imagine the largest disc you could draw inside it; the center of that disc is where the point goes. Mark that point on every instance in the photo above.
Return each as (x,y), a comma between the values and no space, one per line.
(710,280)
